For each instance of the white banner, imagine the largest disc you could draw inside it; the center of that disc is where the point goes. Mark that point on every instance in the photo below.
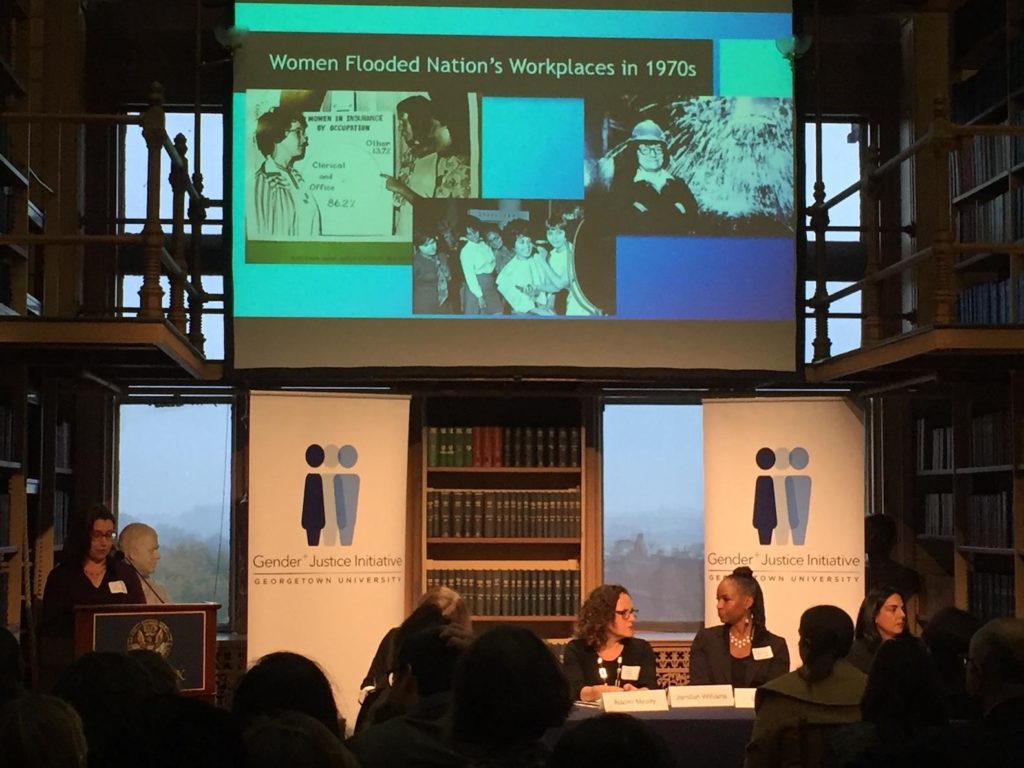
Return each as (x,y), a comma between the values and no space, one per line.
(327,514)
(784,495)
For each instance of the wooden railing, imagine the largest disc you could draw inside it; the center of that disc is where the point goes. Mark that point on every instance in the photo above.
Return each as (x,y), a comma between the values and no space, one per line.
(178,255)
(939,257)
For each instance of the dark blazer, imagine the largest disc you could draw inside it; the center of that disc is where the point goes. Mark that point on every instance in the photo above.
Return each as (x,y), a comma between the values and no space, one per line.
(579,662)
(711,664)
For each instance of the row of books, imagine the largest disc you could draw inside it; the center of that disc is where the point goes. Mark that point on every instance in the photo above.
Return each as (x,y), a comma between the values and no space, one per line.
(513,592)
(938,514)
(985,221)
(934,446)
(503,446)
(61,515)
(979,159)
(62,445)
(989,303)
(991,595)
(503,514)
(991,439)
(989,520)
(7,447)
(980,93)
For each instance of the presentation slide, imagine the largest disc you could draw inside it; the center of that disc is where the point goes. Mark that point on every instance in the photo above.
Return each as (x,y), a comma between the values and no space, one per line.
(557,186)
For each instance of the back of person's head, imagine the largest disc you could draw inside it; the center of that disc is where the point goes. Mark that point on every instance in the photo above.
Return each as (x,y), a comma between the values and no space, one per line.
(879,536)
(611,739)
(826,635)
(40,731)
(508,690)
(866,629)
(903,692)
(948,637)
(106,689)
(174,731)
(997,660)
(432,655)
(162,675)
(453,608)
(285,681)
(295,740)
(12,667)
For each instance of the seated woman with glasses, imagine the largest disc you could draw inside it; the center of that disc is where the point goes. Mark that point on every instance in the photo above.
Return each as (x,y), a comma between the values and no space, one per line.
(740,651)
(604,656)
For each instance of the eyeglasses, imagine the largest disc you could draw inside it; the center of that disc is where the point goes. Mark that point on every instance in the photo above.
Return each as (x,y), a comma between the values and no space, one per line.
(299,130)
(627,613)
(97,535)
(650,149)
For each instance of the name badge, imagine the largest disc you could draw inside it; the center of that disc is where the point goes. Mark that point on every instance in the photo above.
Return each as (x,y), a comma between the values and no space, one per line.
(760,654)
(630,673)
(118,587)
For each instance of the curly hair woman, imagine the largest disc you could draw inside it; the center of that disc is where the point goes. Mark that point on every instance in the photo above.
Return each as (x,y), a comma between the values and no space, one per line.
(604,656)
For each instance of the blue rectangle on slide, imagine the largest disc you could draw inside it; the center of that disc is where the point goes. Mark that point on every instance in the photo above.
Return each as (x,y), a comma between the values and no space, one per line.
(531,148)
(705,278)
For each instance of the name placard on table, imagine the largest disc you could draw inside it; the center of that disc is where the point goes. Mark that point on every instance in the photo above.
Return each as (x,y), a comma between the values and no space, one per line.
(682,696)
(635,701)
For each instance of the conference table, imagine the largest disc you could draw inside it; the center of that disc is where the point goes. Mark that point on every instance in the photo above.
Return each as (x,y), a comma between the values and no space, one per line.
(711,737)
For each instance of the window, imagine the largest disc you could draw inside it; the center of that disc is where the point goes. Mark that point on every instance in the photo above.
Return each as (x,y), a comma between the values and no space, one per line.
(136,164)
(174,475)
(843,332)
(654,509)
(840,167)
(213,321)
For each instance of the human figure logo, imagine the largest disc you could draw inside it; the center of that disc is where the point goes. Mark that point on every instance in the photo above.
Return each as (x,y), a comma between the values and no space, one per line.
(320,488)
(790,491)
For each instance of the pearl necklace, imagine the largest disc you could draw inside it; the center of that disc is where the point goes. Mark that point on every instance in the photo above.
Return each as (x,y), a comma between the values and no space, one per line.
(744,640)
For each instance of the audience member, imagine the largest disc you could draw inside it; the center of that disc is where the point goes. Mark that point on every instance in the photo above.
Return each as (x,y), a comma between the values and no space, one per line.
(285,682)
(740,651)
(174,731)
(611,739)
(826,689)
(40,731)
(995,676)
(107,690)
(604,656)
(295,740)
(948,636)
(508,690)
(881,617)
(882,571)
(426,662)
(903,712)
(163,676)
(377,704)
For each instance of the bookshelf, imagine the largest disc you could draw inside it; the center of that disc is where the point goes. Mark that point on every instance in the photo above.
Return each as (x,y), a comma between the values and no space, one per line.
(987,171)
(969,497)
(503,505)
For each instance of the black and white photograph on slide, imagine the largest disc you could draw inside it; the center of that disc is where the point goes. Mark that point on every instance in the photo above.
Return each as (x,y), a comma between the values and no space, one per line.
(704,165)
(524,258)
(348,165)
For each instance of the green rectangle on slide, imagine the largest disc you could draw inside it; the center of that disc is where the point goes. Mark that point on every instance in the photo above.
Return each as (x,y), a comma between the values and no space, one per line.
(753,68)
(267,252)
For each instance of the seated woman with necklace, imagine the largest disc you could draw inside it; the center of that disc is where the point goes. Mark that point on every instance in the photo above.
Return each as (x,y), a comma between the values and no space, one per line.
(740,652)
(604,656)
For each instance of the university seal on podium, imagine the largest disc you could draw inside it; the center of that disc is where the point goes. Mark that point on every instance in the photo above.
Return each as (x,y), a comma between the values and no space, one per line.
(151,635)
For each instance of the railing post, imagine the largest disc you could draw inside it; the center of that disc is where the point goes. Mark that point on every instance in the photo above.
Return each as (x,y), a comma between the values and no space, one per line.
(153,131)
(196,217)
(822,345)
(942,245)
(178,179)
(871,325)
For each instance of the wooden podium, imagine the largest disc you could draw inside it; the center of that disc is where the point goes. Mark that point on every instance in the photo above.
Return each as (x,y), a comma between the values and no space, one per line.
(183,633)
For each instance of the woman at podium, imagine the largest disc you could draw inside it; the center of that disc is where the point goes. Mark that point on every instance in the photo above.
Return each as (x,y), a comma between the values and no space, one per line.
(740,652)
(88,574)
(604,656)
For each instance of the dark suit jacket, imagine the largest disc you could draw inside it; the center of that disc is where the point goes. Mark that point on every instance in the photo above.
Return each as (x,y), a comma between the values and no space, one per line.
(711,664)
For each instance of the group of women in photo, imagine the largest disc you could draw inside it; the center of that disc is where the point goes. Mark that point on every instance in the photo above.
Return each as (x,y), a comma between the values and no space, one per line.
(484,269)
